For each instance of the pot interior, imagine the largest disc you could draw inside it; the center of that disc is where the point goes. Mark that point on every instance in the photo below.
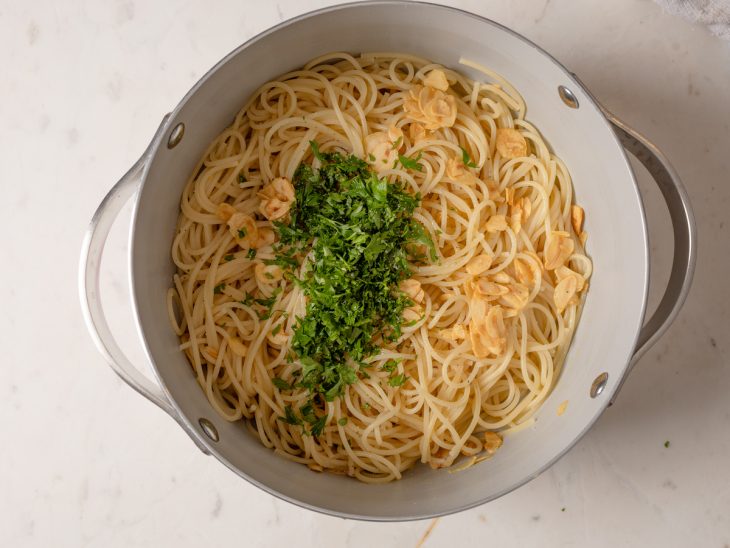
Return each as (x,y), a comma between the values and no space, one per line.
(604,186)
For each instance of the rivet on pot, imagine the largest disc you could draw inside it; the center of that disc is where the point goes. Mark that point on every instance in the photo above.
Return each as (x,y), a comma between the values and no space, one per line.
(568,97)
(176,135)
(209,429)
(599,384)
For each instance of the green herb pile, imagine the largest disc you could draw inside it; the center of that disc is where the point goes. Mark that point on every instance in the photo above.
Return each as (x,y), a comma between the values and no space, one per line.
(361,235)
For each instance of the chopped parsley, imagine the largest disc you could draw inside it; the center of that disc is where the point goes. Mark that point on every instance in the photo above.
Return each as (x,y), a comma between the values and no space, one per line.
(219,289)
(251,253)
(342,421)
(316,424)
(411,163)
(666,444)
(280,383)
(389,366)
(397,380)
(468,162)
(241,178)
(241,233)
(228,258)
(290,417)
(276,329)
(360,234)
(315,150)
(268,302)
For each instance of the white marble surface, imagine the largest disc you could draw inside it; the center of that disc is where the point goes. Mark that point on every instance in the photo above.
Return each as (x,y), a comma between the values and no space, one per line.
(85,461)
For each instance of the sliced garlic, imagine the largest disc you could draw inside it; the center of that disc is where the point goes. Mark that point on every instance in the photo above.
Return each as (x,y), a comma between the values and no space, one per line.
(517,297)
(457,171)
(436,79)
(564,292)
(558,249)
(523,272)
(520,213)
(382,148)
(496,223)
(267,274)
(511,143)
(577,216)
(492,442)
(412,314)
(243,229)
(479,264)
(478,345)
(509,195)
(237,347)
(490,289)
(417,133)
(488,334)
(563,272)
(276,199)
(457,332)
(224,211)
(502,277)
(413,289)
(266,237)
(431,107)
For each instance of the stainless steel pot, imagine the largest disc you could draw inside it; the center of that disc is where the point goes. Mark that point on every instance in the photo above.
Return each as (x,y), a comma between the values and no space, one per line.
(608,341)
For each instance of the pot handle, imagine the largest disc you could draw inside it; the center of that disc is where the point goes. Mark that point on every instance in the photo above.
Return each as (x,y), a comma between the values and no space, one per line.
(91,253)
(683,225)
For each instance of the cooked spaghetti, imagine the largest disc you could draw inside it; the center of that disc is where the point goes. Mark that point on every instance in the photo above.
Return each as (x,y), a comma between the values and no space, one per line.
(483,319)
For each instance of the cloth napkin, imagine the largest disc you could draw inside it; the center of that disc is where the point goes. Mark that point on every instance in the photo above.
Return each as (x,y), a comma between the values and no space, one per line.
(715,14)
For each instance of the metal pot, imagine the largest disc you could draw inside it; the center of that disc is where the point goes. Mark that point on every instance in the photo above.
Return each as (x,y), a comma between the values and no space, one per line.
(592,142)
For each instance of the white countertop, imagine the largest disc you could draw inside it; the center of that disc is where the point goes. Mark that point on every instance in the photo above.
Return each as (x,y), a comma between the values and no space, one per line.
(85,461)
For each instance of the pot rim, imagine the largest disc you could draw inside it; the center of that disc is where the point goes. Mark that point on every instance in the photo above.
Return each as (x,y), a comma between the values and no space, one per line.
(192,429)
